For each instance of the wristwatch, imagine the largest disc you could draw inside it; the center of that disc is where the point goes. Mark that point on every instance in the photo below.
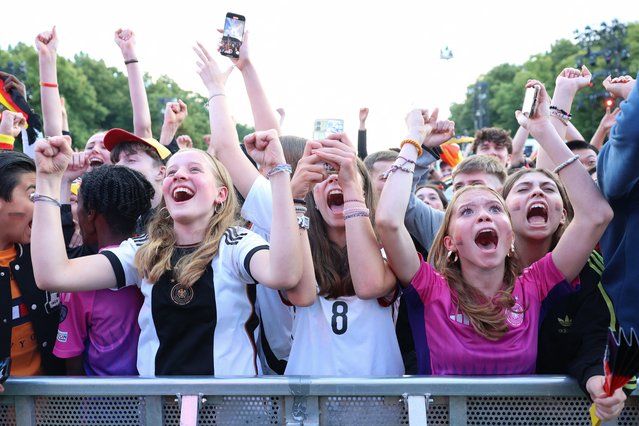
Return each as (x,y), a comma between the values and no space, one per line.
(303,222)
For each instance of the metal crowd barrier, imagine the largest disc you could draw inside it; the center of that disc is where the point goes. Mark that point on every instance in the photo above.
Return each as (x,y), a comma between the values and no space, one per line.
(301,400)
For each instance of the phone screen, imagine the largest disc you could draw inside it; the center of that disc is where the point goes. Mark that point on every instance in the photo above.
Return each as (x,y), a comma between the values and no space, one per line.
(233,34)
(530,101)
(327,126)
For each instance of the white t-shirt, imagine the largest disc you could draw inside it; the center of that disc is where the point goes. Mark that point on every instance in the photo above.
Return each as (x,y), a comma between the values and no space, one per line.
(276,318)
(206,331)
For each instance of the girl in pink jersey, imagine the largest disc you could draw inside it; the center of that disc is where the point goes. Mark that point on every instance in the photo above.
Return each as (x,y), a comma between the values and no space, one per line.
(475,311)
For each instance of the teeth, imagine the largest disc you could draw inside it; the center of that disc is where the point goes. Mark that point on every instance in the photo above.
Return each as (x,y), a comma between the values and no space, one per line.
(537,206)
(182,189)
(335,191)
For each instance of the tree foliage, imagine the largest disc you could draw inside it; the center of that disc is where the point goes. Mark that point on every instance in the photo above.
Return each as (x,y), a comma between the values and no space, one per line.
(97,96)
(505,86)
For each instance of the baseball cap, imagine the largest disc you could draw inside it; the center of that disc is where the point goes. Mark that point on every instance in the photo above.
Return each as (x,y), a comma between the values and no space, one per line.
(116,136)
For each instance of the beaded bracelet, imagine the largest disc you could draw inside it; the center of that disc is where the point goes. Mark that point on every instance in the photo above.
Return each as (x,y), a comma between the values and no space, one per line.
(416,144)
(278,169)
(559,117)
(566,163)
(300,209)
(41,197)
(566,115)
(299,201)
(406,160)
(395,167)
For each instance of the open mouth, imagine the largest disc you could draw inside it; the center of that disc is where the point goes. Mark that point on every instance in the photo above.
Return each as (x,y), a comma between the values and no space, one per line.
(537,214)
(95,162)
(335,201)
(487,239)
(182,194)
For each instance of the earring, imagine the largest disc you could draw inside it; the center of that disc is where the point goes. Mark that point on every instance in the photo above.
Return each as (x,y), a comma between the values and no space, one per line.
(511,253)
(452,257)
(218,208)
(168,215)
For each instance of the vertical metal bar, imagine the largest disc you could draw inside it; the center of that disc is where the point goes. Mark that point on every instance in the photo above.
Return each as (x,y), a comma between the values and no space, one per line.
(417,410)
(457,411)
(25,410)
(153,410)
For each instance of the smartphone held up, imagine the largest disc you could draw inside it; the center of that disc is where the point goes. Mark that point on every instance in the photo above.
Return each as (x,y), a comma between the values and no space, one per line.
(327,126)
(233,35)
(530,102)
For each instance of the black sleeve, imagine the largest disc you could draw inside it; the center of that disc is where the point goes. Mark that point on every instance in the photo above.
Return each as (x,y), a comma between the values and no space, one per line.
(68,227)
(361,144)
(173,146)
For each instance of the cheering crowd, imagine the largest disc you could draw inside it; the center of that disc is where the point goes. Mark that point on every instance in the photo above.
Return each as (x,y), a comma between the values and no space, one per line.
(281,255)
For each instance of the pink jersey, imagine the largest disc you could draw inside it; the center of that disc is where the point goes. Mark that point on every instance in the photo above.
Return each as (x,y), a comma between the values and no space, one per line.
(447,344)
(101,325)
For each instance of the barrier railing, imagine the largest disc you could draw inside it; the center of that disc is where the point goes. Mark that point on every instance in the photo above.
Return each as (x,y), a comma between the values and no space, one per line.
(275,400)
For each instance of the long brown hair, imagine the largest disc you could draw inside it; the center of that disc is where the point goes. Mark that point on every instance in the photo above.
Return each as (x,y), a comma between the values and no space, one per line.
(485,315)
(153,259)
(331,261)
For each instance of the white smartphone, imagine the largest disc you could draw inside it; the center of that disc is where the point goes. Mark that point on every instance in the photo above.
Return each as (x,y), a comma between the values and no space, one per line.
(530,101)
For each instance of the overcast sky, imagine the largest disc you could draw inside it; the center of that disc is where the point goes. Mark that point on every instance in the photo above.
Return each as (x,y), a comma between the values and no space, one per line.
(325,59)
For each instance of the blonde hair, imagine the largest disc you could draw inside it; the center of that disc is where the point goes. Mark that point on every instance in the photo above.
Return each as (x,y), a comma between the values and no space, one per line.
(153,259)
(485,315)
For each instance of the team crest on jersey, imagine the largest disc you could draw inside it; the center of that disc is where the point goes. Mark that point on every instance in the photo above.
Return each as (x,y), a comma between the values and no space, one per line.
(232,236)
(181,295)
(515,316)
(62,336)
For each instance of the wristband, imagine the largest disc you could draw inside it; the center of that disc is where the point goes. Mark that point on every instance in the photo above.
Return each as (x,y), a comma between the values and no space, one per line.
(54,85)
(131,61)
(6,141)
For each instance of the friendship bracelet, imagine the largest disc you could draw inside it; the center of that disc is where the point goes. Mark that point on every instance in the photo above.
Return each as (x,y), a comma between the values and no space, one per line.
(406,160)
(416,144)
(300,209)
(299,201)
(559,116)
(350,216)
(131,61)
(396,167)
(566,163)
(354,201)
(54,85)
(347,212)
(278,169)
(41,197)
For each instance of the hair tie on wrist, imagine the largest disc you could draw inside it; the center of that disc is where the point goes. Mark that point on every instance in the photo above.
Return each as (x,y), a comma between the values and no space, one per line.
(131,61)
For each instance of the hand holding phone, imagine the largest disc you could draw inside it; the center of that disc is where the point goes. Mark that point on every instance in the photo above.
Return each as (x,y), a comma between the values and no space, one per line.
(327,126)
(530,102)
(232,36)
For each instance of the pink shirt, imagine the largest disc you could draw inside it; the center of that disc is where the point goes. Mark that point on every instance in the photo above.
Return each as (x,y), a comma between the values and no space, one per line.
(447,344)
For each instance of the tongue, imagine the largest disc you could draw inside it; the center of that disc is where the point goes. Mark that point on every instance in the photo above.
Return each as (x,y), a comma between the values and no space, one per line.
(486,241)
(537,220)
(182,196)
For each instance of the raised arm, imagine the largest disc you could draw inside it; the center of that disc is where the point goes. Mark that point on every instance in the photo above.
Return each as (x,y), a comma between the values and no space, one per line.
(592,212)
(52,268)
(125,39)
(617,164)
(281,266)
(389,219)
(174,115)
(362,150)
(519,141)
(608,119)
(371,275)
(224,142)
(11,125)
(47,46)
(264,116)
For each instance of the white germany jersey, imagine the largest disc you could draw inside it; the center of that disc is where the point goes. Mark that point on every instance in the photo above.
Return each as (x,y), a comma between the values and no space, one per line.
(208,330)
(346,336)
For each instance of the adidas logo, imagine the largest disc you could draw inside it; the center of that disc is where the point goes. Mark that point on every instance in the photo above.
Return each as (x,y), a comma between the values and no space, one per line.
(232,237)
(566,322)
